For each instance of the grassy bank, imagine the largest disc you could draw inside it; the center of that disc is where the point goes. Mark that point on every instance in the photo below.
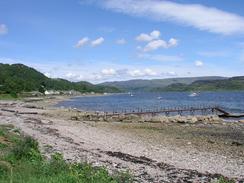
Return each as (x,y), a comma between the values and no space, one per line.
(22,162)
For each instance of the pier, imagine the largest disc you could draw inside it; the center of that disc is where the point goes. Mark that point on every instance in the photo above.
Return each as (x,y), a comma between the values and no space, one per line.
(200,110)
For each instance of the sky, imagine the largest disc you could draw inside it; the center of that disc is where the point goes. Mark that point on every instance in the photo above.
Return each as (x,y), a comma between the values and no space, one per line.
(108,40)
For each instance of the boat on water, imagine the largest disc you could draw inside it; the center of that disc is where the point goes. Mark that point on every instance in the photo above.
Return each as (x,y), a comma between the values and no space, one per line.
(159,98)
(130,93)
(193,94)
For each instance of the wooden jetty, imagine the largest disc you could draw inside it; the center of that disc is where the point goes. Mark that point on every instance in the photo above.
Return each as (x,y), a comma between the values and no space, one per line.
(205,110)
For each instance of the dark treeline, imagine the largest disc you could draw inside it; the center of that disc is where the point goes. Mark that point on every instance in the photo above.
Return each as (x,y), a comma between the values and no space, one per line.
(17,78)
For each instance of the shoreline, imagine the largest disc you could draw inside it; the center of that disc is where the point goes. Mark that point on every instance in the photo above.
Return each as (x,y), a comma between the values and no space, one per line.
(214,148)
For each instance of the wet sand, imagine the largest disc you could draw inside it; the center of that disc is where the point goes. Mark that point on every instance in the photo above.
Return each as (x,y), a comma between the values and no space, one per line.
(153,152)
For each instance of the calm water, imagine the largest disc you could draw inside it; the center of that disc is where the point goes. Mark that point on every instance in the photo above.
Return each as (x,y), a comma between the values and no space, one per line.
(231,101)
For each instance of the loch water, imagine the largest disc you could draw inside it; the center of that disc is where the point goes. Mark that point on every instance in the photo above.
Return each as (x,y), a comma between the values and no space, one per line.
(230,101)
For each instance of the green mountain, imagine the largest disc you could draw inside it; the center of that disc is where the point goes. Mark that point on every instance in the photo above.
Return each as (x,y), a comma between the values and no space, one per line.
(234,83)
(156,84)
(17,78)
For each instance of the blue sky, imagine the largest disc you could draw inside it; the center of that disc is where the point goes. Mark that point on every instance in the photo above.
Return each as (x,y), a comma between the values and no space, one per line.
(106,40)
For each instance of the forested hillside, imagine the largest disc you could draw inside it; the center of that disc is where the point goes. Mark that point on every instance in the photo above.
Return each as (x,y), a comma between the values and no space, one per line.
(17,78)
(156,84)
(231,84)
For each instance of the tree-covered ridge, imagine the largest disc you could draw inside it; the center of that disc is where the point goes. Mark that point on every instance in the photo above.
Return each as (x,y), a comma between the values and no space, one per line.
(153,84)
(17,78)
(231,84)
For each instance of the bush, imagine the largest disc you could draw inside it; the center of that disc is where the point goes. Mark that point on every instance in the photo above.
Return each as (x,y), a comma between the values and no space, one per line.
(26,149)
(225,180)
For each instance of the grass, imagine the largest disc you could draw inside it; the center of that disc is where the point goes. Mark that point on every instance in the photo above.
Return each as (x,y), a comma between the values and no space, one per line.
(8,97)
(225,180)
(22,162)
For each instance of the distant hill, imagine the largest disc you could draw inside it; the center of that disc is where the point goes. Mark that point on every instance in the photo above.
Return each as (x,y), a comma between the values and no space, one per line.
(156,84)
(234,83)
(17,78)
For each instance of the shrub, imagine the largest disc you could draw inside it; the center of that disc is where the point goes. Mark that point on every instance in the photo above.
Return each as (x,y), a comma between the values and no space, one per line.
(225,180)
(26,149)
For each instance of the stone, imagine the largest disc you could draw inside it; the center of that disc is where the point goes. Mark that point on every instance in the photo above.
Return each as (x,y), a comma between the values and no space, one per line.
(194,119)
(236,143)
(74,118)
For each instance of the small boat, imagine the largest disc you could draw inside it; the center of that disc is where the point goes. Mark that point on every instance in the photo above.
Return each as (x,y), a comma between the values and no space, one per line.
(130,93)
(193,94)
(159,98)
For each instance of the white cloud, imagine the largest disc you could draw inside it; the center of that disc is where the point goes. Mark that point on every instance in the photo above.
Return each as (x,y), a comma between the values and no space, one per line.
(201,17)
(135,73)
(172,42)
(82,42)
(73,76)
(198,63)
(47,74)
(155,34)
(121,41)
(109,72)
(150,72)
(3,29)
(156,44)
(97,41)
(85,40)
(161,57)
(144,37)
(170,73)
(148,37)
(142,73)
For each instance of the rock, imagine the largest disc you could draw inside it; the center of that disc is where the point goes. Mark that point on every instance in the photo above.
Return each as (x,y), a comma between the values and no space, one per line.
(74,118)
(156,119)
(214,118)
(236,143)
(101,119)
(180,119)
(193,120)
(210,141)
(164,119)
(174,119)
(201,118)
(181,122)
